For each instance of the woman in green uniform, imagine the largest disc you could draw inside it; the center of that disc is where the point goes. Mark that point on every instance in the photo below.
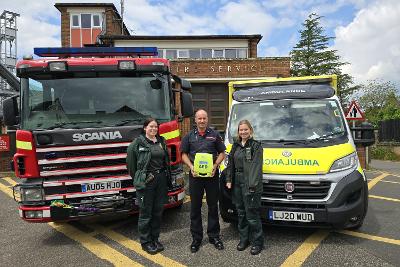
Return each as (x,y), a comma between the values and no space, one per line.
(148,165)
(244,174)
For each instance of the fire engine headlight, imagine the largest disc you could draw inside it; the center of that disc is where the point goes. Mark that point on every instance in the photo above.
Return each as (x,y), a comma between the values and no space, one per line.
(126,65)
(31,194)
(58,66)
(347,162)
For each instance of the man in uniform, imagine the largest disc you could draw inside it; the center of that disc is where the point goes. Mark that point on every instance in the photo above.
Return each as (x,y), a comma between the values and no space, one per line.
(203,139)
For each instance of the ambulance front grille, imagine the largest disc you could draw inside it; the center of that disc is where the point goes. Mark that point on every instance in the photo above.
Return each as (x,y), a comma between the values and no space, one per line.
(302,190)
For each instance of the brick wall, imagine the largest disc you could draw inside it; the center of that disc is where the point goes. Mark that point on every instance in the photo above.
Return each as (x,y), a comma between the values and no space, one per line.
(113,25)
(252,48)
(361,152)
(231,68)
(65,28)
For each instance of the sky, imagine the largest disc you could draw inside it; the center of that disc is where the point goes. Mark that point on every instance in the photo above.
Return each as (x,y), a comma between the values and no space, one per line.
(366,32)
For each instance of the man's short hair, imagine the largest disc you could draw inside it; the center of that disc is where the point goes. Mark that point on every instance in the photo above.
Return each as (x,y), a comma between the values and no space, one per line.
(199,109)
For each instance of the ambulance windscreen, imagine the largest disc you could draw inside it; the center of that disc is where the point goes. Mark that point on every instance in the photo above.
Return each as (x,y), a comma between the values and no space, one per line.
(261,92)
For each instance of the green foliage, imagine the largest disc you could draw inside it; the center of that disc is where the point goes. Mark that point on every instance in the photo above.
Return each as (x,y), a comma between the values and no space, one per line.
(380,101)
(383,153)
(311,57)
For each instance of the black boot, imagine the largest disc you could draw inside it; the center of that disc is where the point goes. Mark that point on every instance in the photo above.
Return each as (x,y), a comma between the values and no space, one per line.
(242,245)
(150,248)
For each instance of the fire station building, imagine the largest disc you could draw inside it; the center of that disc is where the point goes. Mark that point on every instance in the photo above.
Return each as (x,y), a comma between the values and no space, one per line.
(209,62)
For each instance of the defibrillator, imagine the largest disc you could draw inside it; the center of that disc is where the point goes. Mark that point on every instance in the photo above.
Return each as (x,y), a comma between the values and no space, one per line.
(203,164)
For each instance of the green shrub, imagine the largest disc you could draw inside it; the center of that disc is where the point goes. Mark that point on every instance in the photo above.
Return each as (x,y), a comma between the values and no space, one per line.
(383,153)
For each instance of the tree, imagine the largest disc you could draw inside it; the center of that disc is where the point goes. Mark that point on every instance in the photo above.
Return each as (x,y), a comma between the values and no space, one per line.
(311,56)
(380,101)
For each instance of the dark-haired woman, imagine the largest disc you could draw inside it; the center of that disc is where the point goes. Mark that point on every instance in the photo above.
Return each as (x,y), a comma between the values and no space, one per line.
(244,174)
(148,165)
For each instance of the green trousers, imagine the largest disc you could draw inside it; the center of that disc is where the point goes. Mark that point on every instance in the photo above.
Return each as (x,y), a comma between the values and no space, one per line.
(151,202)
(248,209)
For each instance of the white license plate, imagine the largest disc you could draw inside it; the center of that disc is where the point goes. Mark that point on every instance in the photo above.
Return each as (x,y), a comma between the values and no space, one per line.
(101,186)
(293,216)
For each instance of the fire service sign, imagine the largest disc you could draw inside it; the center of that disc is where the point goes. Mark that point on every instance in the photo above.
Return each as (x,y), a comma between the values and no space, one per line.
(4,142)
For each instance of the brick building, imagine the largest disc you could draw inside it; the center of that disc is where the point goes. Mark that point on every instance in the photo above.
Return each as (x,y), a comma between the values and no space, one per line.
(209,62)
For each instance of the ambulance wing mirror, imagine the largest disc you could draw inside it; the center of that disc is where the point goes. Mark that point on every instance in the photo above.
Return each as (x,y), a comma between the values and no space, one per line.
(186,104)
(10,111)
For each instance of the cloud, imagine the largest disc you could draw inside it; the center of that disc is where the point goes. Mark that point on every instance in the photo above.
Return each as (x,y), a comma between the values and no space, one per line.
(371,42)
(246,17)
(38,24)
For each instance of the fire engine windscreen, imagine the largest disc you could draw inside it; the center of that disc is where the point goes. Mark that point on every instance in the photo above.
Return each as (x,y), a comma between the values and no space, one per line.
(278,121)
(93,102)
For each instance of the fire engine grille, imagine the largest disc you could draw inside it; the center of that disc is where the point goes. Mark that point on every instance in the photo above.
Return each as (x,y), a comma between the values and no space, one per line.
(70,162)
(302,190)
(82,153)
(83,164)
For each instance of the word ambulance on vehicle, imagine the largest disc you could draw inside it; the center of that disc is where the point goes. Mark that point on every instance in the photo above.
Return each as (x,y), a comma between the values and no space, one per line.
(77,113)
(311,172)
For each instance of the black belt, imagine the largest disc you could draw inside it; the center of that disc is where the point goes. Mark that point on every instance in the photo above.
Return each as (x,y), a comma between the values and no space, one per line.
(157,171)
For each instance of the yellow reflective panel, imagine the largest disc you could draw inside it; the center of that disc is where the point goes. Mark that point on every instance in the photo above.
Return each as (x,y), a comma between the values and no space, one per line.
(170,135)
(24,145)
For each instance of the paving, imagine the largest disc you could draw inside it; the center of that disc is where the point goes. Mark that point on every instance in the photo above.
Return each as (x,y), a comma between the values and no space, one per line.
(114,241)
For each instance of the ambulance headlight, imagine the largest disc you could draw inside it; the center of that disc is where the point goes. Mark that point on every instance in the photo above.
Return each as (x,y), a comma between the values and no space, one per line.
(347,162)
(31,194)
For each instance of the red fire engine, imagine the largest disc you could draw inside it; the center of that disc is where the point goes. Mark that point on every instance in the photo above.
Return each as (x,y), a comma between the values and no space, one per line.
(77,114)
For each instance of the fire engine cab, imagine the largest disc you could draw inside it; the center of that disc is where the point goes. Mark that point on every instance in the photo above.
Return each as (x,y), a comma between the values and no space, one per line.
(76,114)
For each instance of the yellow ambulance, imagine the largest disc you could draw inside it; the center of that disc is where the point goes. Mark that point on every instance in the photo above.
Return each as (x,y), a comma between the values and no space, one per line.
(311,172)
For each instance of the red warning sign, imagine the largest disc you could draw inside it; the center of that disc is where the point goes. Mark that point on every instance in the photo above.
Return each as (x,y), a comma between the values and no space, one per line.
(354,112)
(4,142)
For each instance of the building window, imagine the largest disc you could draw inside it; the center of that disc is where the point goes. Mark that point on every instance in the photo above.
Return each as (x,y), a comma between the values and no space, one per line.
(206,53)
(160,53)
(230,53)
(218,53)
(183,53)
(75,21)
(242,53)
(96,20)
(194,53)
(86,21)
(170,54)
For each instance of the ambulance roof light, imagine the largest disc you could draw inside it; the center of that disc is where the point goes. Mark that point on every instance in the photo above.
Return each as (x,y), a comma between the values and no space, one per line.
(95,51)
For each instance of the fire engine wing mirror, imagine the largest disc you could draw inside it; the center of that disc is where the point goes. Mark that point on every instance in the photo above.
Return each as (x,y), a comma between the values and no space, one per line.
(186,85)
(10,111)
(187,104)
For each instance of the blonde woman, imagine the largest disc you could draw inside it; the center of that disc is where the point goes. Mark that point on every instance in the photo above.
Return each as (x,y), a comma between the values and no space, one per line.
(244,175)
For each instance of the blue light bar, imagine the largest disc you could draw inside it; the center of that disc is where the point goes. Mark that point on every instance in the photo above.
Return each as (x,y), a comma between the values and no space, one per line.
(95,51)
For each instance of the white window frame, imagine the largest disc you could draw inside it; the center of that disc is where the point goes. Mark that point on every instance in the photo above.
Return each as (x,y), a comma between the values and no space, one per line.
(100,20)
(72,20)
(182,51)
(219,49)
